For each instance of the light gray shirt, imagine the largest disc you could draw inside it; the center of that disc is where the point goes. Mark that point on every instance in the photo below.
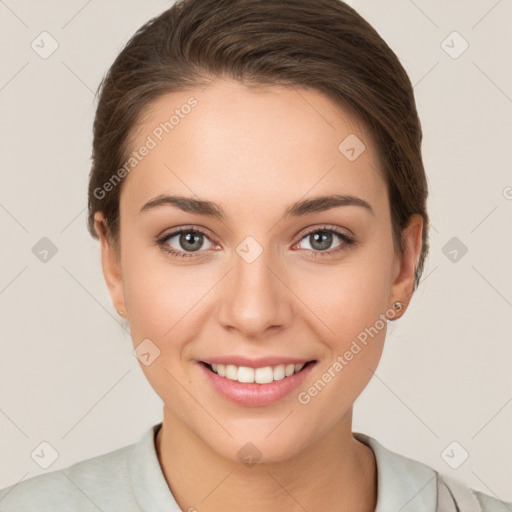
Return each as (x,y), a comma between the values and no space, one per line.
(130,479)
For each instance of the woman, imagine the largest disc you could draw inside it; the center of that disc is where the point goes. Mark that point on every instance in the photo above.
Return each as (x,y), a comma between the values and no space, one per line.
(260,198)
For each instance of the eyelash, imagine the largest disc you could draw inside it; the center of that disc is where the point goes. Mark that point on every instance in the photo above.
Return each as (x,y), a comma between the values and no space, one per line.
(348,241)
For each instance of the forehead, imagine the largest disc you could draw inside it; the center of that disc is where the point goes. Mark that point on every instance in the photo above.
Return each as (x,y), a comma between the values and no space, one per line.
(265,143)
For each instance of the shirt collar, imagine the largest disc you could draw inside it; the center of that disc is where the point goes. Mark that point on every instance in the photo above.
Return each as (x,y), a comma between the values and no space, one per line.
(403,484)
(149,485)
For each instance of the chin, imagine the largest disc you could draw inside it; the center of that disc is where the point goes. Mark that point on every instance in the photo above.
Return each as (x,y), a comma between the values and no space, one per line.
(258,449)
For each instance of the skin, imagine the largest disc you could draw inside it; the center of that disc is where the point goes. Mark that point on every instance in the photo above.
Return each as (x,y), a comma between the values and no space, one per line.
(254,152)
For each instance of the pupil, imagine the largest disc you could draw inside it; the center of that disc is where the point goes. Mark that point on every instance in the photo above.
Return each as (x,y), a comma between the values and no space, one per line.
(190,238)
(323,244)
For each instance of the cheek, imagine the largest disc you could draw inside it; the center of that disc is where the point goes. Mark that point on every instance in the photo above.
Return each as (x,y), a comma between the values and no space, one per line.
(351,296)
(349,302)
(166,302)
(150,288)
(165,312)
(162,300)
(349,320)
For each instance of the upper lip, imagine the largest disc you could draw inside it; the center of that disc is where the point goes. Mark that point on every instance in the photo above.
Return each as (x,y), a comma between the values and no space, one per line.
(259,362)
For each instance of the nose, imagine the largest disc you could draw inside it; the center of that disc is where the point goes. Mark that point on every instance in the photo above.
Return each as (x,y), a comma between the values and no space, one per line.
(254,297)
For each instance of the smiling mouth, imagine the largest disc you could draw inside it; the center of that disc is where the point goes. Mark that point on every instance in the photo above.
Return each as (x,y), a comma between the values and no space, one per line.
(264,375)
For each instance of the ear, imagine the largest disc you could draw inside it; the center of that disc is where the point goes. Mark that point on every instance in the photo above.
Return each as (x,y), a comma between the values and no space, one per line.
(110,261)
(406,262)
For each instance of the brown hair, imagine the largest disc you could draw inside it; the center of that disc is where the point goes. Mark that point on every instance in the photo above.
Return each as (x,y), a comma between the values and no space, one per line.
(324,45)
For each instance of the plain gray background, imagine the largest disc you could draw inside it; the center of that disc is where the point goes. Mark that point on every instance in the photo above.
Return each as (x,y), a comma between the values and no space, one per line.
(67,371)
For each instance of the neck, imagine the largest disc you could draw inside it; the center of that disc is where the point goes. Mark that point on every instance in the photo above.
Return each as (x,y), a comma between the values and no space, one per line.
(335,473)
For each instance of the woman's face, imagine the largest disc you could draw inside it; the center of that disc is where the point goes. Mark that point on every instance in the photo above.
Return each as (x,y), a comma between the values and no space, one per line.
(265,279)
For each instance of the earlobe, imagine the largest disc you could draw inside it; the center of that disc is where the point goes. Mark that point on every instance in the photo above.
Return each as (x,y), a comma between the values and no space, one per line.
(403,285)
(110,263)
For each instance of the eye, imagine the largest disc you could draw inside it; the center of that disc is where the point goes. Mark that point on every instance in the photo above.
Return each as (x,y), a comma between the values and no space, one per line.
(183,242)
(321,239)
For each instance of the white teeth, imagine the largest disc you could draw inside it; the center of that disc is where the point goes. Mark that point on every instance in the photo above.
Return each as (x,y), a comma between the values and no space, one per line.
(245,374)
(231,372)
(263,375)
(279,372)
(289,370)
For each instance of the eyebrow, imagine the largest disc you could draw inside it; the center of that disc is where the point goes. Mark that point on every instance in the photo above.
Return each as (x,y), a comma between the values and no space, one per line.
(298,209)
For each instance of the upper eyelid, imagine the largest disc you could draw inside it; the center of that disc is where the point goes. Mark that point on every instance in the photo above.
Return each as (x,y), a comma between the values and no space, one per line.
(324,227)
(185,229)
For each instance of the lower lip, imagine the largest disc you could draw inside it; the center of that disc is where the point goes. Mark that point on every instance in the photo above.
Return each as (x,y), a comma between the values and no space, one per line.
(252,394)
